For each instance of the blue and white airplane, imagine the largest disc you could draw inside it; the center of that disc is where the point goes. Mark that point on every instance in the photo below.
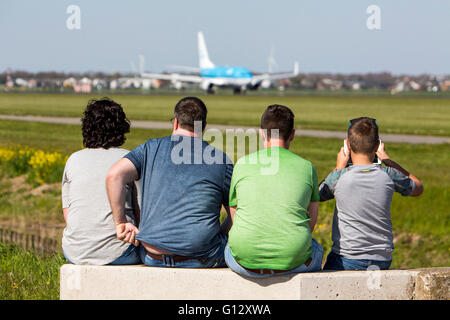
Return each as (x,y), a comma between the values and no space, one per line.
(210,76)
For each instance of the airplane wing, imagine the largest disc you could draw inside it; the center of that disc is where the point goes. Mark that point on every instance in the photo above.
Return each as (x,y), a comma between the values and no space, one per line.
(173,77)
(184,68)
(276,76)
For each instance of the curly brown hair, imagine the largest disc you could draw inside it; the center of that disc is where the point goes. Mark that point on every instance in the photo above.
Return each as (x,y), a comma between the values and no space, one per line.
(104,124)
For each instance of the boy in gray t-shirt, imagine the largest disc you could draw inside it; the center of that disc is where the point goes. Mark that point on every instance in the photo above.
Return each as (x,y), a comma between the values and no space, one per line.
(362,227)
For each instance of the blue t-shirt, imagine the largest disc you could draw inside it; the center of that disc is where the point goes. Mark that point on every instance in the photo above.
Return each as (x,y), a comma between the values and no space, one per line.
(184,182)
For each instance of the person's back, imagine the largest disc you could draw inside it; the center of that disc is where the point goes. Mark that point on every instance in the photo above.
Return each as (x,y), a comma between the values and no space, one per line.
(362,228)
(274,199)
(272,213)
(182,199)
(184,183)
(90,233)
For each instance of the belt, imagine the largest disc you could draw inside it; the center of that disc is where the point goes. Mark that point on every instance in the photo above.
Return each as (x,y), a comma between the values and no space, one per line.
(161,257)
(270,271)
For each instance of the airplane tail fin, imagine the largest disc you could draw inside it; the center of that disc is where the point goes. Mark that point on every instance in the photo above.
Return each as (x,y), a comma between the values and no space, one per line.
(203,56)
(296,68)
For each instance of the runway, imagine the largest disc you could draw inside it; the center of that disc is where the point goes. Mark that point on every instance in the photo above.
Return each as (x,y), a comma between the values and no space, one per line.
(395,138)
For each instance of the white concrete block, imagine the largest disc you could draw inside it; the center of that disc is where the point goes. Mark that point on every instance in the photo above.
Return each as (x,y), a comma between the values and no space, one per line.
(141,282)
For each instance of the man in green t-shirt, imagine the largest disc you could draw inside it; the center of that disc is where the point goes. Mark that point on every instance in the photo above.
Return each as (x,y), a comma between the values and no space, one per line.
(274,200)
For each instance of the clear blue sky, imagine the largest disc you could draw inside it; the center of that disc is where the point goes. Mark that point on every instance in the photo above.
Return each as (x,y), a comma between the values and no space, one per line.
(324,36)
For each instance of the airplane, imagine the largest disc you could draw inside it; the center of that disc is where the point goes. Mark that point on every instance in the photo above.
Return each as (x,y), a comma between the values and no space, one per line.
(209,76)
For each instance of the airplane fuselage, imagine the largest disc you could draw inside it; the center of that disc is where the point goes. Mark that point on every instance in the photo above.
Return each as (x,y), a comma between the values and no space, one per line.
(226,72)
(237,78)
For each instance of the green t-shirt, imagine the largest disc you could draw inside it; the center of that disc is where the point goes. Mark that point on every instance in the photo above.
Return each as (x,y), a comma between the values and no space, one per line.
(272,189)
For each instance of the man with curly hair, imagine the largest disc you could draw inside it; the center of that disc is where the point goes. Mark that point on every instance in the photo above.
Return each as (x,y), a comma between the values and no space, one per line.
(182,194)
(90,233)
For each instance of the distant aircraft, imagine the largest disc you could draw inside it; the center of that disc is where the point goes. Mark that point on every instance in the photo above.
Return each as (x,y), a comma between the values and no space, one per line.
(209,76)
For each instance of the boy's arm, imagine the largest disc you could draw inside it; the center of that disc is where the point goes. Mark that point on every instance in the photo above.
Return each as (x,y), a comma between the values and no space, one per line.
(384,157)
(327,186)
(228,222)
(313,212)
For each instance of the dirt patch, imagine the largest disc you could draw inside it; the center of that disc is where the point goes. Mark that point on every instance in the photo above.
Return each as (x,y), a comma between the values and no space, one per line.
(45,188)
(408,238)
(19,183)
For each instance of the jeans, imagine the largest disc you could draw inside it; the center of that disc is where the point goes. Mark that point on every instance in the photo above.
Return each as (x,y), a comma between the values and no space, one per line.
(215,261)
(315,265)
(130,256)
(338,262)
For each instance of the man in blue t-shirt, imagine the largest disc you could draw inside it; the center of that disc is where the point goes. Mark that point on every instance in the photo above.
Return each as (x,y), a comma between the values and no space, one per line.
(184,183)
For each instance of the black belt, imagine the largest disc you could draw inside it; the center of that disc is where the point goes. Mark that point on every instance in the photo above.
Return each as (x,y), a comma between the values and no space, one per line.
(175,258)
(269,271)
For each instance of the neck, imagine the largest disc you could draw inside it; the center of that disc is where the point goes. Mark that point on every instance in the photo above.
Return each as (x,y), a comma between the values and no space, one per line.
(276,143)
(184,132)
(360,159)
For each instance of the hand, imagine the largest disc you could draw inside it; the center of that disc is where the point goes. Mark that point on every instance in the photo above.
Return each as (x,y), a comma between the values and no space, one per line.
(382,155)
(342,159)
(127,232)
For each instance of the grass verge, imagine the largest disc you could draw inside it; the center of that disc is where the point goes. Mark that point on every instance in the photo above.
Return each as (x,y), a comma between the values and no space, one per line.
(27,276)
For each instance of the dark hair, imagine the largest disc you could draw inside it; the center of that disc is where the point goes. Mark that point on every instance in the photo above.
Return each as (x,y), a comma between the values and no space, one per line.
(363,135)
(188,110)
(104,124)
(278,117)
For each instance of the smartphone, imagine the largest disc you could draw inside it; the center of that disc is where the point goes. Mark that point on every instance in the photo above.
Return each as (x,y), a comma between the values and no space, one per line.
(350,162)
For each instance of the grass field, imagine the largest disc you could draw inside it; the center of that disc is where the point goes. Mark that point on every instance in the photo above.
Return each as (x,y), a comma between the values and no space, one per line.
(25,275)
(425,116)
(421,225)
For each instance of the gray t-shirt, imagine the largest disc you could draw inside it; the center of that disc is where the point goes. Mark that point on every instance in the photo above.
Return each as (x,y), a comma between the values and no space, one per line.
(362,227)
(90,234)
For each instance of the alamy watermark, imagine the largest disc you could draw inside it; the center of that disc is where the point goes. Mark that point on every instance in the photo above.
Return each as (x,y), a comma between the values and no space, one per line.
(374,278)
(73,22)
(373,22)
(238,143)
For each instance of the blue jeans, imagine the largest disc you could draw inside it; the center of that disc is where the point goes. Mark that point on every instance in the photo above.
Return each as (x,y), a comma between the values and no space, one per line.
(215,261)
(130,256)
(315,265)
(338,262)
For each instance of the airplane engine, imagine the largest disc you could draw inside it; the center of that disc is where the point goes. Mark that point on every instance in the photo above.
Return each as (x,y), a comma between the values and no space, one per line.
(177,85)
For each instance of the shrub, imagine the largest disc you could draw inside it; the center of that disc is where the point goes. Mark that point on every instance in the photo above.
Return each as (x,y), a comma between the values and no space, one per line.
(40,166)
(46,167)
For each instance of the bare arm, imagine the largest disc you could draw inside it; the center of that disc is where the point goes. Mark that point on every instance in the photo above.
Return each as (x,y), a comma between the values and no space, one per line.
(118,176)
(384,157)
(65,213)
(313,211)
(228,222)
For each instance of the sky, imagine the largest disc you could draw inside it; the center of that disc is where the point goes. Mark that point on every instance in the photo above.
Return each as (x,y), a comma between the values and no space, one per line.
(323,36)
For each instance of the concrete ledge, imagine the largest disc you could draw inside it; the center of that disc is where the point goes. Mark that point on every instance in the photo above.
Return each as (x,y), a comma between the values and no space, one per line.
(141,282)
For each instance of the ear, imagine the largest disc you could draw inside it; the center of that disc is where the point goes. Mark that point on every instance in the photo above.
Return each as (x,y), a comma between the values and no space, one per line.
(262,134)
(378,145)
(175,124)
(292,136)
(348,144)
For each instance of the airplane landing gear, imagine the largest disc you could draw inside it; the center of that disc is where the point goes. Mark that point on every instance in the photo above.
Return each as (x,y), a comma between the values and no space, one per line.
(239,90)
(211,89)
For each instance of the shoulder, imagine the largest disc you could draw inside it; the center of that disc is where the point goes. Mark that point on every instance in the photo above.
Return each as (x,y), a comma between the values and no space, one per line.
(299,160)
(77,156)
(150,144)
(393,173)
(334,176)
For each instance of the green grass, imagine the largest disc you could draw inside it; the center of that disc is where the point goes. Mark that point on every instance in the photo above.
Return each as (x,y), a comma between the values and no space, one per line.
(426,116)
(25,275)
(421,225)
